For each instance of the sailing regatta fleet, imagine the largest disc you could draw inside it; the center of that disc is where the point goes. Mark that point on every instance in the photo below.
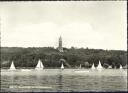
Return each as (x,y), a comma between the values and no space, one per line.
(40,66)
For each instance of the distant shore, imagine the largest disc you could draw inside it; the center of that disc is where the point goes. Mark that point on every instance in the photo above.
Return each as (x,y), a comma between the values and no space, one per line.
(71,57)
(53,68)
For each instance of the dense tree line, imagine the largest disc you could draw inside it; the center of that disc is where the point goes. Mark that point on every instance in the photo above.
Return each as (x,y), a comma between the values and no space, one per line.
(72,57)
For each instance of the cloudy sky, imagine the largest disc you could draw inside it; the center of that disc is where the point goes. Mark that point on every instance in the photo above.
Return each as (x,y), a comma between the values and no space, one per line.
(92,24)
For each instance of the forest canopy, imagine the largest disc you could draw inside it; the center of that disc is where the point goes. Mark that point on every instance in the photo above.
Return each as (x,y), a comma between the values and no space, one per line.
(72,57)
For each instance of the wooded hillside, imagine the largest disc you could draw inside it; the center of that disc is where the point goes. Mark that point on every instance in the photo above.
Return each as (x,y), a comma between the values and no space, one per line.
(28,57)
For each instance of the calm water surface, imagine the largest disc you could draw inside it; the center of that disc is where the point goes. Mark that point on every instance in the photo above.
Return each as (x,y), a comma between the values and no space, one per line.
(68,80)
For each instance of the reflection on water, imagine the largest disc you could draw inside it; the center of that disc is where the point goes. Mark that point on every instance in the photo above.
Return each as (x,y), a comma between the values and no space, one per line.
(63,80)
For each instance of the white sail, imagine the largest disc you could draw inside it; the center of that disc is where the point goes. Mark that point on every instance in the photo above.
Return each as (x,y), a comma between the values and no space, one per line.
(99,66)
(121,67)
(39,66)
(42,66)
(12,67)
(93,67)
(62,66)
(80,66)
(109,67)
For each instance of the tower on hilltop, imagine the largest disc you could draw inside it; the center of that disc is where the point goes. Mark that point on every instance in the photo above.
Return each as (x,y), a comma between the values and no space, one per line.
(60,48)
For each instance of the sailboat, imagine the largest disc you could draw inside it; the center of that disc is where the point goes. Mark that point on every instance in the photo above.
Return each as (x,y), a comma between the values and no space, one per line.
(39,66)
(81,70)
(80,66)
(109,67)
(93,67)
(99,67)
(121,67)
(62,66)
(12,67)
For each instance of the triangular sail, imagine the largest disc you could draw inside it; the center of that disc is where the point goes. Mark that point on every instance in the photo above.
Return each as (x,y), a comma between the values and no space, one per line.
(99,66)
(62,66)
(39,66)
(42,66)
(80,66)
(93,67)
(12,67)
(121,67)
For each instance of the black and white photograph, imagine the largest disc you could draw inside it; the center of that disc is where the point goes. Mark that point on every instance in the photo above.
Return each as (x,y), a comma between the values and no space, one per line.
(63,46)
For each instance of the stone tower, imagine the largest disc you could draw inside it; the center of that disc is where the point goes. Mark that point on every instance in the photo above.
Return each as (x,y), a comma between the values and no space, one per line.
(60,48)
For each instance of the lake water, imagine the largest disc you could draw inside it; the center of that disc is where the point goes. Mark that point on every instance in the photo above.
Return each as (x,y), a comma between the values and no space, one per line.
(67,80)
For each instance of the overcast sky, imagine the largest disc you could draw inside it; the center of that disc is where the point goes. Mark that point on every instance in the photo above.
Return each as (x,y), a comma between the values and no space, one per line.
(92,24)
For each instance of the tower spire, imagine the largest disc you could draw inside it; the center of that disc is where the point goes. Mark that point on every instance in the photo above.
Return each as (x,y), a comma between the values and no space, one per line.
(60,48)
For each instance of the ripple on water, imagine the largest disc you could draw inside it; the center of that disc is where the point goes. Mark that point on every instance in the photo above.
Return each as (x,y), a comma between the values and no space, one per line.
(66,80)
